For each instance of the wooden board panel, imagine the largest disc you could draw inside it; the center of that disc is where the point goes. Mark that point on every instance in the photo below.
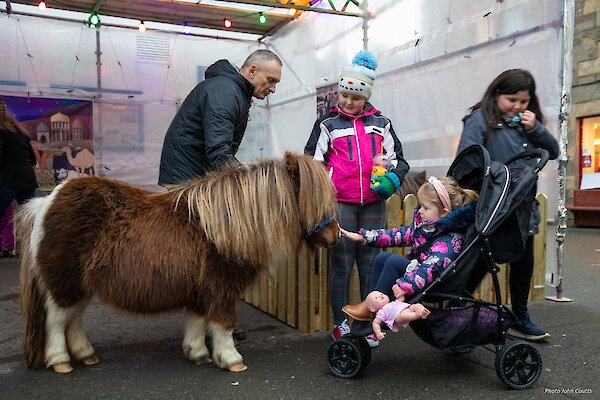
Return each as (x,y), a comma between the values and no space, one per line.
(292,293)
(538,281)
(304,266)
(281,299)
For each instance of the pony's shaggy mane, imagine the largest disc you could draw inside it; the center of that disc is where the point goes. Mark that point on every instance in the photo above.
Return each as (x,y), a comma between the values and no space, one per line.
(242,207)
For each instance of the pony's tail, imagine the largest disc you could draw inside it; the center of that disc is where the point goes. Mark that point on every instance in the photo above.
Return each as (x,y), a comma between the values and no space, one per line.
(33,311)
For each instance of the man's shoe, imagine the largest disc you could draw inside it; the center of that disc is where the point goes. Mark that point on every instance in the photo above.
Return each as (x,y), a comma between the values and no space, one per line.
(340,330)
(372,341)
(526,329)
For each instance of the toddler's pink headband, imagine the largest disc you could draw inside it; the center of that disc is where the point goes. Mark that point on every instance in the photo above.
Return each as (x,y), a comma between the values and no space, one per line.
(442,192)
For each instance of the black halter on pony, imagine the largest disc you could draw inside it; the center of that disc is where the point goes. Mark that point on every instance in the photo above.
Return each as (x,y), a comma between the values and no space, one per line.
(320,225)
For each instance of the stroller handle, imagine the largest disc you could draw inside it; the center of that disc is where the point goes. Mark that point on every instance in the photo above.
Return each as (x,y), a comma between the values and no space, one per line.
(542,154)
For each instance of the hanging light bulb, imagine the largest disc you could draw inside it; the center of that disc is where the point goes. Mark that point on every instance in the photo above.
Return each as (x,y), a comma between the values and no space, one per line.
(94,20)
(186,29)
(292,11)
(227,23)
(142,27)
(262,19)
(42,5)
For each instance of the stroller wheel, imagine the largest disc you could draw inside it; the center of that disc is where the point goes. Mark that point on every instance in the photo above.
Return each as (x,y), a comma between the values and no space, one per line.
(345,357)
(518,365)
(364,347)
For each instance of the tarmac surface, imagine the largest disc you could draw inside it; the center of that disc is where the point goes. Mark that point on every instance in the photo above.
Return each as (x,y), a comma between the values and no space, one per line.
(141,358)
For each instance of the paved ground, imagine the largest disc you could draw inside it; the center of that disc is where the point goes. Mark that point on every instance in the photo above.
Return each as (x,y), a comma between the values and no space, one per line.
(141,358)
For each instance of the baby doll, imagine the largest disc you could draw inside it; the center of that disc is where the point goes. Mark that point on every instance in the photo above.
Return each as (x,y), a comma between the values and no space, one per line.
(394,313)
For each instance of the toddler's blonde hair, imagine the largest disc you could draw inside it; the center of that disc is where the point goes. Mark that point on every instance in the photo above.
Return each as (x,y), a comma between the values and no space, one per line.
(458,196)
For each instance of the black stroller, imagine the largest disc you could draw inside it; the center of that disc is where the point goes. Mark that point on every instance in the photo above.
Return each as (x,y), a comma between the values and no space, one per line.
(461,322)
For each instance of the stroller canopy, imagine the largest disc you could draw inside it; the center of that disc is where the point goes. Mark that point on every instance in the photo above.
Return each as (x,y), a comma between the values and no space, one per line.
(506,194)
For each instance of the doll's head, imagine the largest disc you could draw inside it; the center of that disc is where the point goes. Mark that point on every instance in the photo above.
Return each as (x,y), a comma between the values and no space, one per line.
(376,300)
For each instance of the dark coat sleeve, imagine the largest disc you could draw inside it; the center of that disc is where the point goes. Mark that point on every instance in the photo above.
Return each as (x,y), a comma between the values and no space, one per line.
(221,110)
(542,139)
(311,144)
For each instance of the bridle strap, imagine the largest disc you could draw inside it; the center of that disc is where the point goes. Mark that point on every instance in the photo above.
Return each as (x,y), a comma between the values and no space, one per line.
(321,225)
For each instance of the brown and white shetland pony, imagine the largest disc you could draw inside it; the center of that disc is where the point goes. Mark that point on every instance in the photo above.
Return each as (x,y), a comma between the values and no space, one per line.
(196,247)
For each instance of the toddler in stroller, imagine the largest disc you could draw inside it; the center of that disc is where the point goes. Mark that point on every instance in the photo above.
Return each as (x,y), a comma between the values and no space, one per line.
(460,322)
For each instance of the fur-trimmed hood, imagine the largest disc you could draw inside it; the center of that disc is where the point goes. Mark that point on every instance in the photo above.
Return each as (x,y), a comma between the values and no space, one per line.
(455,221)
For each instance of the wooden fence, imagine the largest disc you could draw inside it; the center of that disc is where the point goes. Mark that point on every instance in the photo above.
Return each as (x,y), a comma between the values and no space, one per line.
(295,292)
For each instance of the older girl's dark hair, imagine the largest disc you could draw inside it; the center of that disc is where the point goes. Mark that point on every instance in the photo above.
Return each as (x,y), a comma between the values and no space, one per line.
(508,82)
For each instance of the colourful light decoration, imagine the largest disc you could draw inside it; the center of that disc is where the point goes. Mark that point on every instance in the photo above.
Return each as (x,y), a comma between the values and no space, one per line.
(186,29)
(142,27)
(227,23)
(94,20)
(262,19)
(42,5)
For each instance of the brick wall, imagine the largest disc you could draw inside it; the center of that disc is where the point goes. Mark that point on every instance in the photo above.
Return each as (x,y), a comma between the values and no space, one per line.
(585,100)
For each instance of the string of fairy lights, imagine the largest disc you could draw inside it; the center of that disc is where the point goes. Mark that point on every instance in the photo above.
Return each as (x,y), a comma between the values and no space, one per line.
(94,20)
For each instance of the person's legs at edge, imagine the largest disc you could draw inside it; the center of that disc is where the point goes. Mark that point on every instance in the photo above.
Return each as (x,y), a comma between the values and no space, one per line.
(7,195)
(521,272)
(342,257)
(370,216)
(7,238)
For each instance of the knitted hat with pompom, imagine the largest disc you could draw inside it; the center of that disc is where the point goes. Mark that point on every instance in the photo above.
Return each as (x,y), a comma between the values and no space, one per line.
(358,77)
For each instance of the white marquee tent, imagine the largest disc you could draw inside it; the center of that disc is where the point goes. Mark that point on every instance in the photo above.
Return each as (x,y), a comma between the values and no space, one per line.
(436,57)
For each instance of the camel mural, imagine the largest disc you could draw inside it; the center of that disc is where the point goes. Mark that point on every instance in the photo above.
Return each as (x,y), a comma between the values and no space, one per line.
(83,162)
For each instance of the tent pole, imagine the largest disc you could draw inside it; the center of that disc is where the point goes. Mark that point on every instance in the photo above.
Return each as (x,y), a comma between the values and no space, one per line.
(98,106)
(365,26)
(98,64)
(563,158)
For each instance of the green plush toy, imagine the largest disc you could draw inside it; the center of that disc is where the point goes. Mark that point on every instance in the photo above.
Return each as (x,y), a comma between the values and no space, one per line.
(385,185)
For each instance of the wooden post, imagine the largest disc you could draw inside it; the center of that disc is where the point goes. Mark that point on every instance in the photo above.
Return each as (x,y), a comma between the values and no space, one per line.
(538,281)
(292,292)
(394,219)
(305,266)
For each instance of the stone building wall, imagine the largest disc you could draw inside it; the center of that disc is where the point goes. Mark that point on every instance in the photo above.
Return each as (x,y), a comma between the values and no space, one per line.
(585,100)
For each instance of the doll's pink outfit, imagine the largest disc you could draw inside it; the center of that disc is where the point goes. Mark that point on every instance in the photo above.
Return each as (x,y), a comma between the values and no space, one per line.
(388,313)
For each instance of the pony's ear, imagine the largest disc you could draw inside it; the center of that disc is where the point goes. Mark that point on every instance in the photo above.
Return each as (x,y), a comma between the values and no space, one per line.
(421,177)
(291,163)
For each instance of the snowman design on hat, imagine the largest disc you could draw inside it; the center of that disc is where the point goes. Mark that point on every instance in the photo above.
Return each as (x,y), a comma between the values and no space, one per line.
(358,77)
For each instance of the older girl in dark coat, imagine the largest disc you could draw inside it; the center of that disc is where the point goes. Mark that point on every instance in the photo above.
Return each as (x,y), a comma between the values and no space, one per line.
(507,122)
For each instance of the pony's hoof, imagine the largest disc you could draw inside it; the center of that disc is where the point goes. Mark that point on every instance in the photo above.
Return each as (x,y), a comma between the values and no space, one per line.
(238,367)
(203,360)
(91,360)
(62,368)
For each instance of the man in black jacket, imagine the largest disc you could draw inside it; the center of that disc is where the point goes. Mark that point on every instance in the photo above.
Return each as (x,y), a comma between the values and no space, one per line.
(210,124)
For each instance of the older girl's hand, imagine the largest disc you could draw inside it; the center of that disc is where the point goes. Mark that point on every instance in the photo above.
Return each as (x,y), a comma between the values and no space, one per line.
(528,120)
(355,237)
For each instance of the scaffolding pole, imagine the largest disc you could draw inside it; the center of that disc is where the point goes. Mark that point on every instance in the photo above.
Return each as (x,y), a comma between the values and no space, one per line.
(565,108)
